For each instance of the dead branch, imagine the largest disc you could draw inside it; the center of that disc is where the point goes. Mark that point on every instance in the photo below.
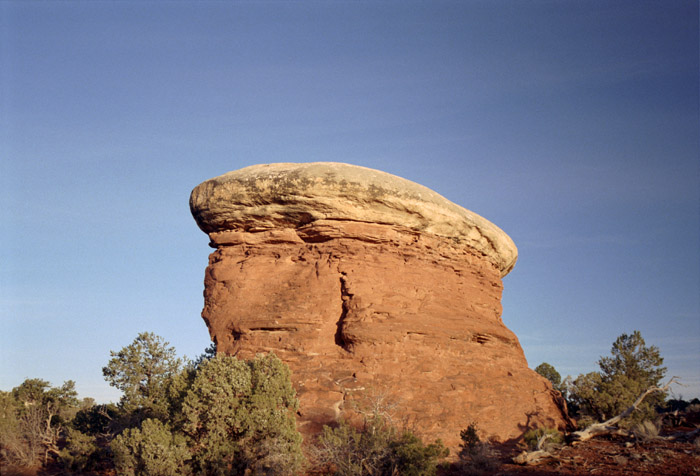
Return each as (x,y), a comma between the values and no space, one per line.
(102,411)
(605,428)
(682,435)
(537,456)
(609,426)
(532,457)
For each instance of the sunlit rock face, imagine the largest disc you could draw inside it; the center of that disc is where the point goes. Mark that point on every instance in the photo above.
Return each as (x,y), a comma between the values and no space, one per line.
(368,285)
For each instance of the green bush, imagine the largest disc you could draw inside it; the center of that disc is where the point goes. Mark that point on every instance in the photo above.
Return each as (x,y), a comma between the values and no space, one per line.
(552,435)
(14,447)
(228,417)
(470,439)
(31,419)
(223,415)
(152,450)
(215,416)
(96,419)
(475,456)
(410,457)
(550,373)
(80,452)
(378,449)
(631,369)
(240,416)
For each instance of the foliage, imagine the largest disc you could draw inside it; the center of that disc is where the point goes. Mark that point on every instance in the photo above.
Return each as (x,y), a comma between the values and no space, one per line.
(80,452)
(550,373)
(676,404)
(141,371)
(96,419)
(13,446)
(213,416)
(470,439)
(208,354)
(377,449)
(240,416)
(152,450)
(631,357)
(33,415)
(552,435)
(632,368)
(59,403)
(475,456)
(645,430)
(176,389)
(411,457)
(236,416)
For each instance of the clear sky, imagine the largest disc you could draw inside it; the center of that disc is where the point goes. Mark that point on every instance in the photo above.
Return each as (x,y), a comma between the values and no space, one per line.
(572,125)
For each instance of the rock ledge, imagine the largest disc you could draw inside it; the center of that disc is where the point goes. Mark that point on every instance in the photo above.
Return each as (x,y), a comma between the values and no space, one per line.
(289,195)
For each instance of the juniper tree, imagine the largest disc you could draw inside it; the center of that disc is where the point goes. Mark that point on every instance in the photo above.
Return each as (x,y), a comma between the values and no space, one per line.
(141,371)
(240,417)
(632,368)
(31,419)
(550,373)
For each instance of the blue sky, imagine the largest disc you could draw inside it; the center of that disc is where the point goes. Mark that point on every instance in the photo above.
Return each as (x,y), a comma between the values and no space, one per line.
(572,125)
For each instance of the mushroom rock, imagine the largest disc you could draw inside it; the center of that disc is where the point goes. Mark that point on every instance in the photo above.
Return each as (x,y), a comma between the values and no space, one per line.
(368,286)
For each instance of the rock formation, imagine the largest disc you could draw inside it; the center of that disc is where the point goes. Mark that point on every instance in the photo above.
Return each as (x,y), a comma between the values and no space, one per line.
(368,285)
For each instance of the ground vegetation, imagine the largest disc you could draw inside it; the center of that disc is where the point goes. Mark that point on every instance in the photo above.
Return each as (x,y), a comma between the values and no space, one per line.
(219,415)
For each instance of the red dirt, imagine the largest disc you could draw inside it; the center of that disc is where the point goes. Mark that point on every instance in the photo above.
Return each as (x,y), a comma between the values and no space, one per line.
(616,456)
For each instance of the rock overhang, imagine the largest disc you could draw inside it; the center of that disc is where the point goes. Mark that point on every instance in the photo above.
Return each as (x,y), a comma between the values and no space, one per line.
(295,195)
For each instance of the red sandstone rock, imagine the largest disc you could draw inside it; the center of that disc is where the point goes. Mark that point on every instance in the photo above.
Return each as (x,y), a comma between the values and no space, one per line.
(364,308)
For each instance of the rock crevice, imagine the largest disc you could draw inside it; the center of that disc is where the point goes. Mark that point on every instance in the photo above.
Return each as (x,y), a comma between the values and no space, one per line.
(345,297)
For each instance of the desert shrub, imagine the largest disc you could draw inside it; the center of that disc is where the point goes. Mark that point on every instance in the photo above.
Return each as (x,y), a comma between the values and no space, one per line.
(674,404)
(584,422)
(631,369)
(152,450)
(410,457)
(550,373)
(341,450)
(236,416)
(273,456)
(80,452)
(552,437)
(14,448)
(470,439)
(96,419)
(377,449)
(33,415)
(240,416)
(645,431)
(475,456)
(482,460)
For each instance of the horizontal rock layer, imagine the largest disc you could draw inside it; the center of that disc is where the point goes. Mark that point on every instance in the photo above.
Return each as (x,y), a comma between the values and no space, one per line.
(262,197)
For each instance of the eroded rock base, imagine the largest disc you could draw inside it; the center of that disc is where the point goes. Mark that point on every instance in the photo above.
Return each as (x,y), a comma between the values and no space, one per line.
(360,311)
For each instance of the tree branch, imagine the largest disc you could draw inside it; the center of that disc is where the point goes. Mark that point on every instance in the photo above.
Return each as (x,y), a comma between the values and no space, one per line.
(608,426)
(604,428)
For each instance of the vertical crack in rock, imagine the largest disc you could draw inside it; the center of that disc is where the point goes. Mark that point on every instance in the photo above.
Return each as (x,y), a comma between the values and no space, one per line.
(345,296)
(234,340)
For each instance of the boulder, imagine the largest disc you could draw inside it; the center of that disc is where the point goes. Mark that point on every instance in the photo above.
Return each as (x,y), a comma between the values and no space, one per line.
(371,288)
